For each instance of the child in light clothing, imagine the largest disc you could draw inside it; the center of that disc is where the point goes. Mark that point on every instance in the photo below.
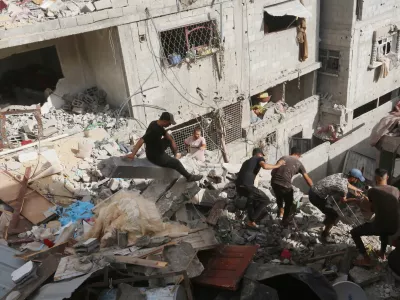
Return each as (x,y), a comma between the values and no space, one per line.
(196,144)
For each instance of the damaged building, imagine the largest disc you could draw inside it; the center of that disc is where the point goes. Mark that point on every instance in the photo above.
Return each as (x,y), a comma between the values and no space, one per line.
(80,81)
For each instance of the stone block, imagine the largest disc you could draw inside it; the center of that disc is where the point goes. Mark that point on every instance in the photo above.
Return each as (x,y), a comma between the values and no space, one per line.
(102,4)
(180,193)
(364,277)
(139,168)
(68,22)
(114,13)
(89,7)
(129,10)
(100,15)
(84,19)
(51,25)
(119,3)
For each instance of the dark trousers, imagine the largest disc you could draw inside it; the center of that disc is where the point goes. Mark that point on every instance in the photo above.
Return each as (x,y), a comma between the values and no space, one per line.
(326,207)
(166,161)
(369,229)
(257,202)
(283,195)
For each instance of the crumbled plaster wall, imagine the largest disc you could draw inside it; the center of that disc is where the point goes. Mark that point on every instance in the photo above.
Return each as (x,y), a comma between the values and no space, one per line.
(367,85)
(104,56)
(241,24)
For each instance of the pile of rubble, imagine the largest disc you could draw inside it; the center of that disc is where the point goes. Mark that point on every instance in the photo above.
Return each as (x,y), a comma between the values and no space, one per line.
(72,210)
(14,13)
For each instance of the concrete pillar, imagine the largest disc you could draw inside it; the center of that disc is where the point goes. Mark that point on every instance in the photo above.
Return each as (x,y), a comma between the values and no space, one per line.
(374,49)
(398,44)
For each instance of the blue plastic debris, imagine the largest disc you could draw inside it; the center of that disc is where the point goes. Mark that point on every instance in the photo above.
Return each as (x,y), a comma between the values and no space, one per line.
(76,211)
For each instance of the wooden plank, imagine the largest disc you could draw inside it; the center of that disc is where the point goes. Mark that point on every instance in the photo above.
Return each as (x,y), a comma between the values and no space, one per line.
(44,271)
(20,202)
(138,261)
(216,212)
(44,253)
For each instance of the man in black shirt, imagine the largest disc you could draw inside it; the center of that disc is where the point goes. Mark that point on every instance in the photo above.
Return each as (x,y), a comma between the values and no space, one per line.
(257,200)
(385,204)
(157,140)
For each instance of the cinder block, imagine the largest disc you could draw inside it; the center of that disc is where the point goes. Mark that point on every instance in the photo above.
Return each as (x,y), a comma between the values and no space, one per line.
(84,19)
(139,168)
(89,7)
(102,4)
(119,3)
(129,10)
(100,15)
(180,193)
(51,25)
(68,22)
(115,12)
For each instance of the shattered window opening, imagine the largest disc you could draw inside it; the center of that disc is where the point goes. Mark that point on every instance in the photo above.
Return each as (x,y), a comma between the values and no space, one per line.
(359,111)
(329,60)
(385,45)
(271,138)
(278,23)
(189,43)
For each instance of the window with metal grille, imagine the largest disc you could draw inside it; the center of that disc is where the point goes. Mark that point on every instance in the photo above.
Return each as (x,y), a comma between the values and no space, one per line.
(189,43)
(329,60)
(271,138)
(385,45)
(302,144)
(232,116)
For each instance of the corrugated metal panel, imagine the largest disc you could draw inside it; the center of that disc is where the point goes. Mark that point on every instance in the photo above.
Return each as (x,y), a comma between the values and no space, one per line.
(290,8)
(8,264)
(359,161)
(226,267)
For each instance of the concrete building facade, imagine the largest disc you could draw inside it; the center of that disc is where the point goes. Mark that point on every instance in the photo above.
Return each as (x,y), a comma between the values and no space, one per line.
(359,51)
(140,50)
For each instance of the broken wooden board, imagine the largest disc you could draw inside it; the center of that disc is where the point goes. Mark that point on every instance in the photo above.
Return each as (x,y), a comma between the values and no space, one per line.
(216,212)
(36,207)
(138,261)
(47,268)
(44,253)
(200,240)
(19,203)
(180,193)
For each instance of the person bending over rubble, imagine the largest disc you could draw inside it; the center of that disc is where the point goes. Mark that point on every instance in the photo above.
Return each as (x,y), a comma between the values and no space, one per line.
(325,192)
(257,200)
(281,183)
(157,140)
(384,200)
(196,144)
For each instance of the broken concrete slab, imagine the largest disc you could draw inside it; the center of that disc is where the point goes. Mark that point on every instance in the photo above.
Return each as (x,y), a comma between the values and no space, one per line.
(116,167)
(181,192)
(157,188)
(364,277)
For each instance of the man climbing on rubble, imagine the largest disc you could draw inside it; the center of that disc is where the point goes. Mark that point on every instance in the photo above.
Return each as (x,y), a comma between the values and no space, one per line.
(384,200)
(330,189)
(281,183)
(157,140)
(257,200)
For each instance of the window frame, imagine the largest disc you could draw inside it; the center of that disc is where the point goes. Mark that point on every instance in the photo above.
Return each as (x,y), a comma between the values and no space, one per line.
(327,57)
(189,29)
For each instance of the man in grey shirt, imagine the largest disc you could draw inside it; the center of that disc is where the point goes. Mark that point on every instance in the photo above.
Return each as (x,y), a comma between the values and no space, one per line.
(282,182)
